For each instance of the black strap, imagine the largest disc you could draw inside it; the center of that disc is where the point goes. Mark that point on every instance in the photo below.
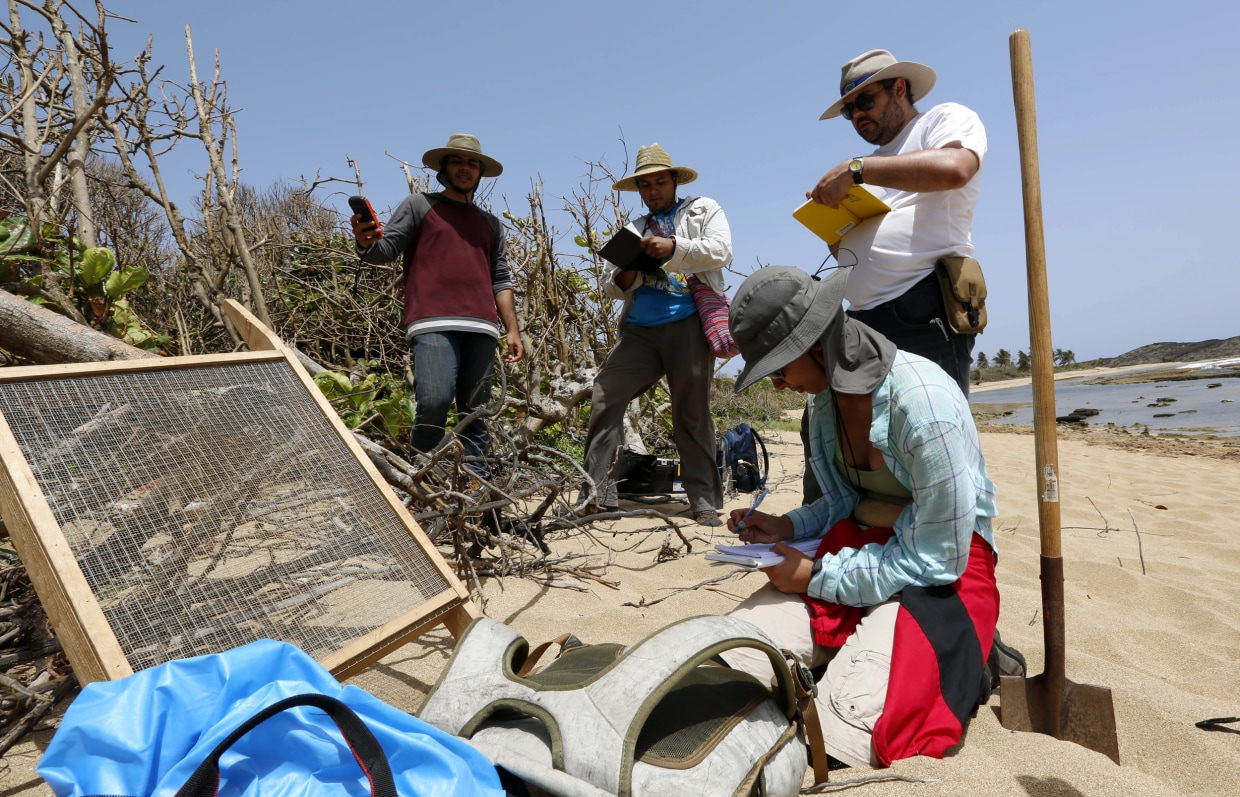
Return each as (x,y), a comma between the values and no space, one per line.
(205,782)
(1217,724)
(766,459)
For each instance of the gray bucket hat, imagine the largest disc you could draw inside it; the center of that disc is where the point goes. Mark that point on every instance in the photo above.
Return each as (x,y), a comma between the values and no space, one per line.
(780,312)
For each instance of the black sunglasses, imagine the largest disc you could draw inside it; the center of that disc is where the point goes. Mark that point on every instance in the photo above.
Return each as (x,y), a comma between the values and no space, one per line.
(863,103)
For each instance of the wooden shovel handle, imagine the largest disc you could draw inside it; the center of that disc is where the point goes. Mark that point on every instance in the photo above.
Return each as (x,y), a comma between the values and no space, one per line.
(1040,354)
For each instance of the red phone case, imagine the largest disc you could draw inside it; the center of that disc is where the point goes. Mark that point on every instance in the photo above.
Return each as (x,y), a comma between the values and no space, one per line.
(361,206)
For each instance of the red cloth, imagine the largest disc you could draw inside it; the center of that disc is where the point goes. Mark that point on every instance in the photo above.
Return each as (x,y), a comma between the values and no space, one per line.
(943,637)
(833,623)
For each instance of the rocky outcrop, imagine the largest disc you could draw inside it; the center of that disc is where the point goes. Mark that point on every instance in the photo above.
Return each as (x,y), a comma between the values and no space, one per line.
(1178,352)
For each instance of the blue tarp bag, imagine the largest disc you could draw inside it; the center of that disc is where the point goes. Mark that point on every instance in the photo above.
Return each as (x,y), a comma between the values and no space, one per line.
(262,719)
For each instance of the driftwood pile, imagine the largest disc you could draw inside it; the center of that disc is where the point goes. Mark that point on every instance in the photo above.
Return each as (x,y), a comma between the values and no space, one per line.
(34,673)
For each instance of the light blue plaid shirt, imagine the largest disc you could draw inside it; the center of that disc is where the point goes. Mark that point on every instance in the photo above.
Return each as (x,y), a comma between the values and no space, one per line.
(925,431)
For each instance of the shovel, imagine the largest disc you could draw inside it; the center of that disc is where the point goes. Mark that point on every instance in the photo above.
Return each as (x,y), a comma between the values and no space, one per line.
(1048,703)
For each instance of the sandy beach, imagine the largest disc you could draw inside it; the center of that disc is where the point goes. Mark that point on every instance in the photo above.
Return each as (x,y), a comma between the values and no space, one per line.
(1153,580)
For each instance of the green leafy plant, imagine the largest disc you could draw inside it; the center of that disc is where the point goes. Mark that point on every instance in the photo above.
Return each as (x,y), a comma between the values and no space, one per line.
(378,405)
(97,285)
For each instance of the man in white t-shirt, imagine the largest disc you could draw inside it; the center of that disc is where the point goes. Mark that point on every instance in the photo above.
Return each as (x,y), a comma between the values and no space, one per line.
(926,168)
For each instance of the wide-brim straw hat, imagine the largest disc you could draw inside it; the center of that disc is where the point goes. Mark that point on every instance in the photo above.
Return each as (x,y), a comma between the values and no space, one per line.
(654,159)
(780,312)
(462,144)
(875,65)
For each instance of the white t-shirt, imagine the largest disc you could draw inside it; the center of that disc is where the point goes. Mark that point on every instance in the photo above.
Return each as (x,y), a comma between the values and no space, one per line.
(897,249)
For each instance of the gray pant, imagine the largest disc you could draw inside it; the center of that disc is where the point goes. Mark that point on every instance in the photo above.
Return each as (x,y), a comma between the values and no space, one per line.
(644,354)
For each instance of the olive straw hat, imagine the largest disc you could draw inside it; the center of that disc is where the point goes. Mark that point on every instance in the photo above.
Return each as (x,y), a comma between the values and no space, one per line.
(654,159)
(875,65)
(780,312)
(462,144)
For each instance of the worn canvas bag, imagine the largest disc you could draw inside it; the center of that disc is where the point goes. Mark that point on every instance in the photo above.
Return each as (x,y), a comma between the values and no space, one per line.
(964,293)
(261,720)
(654,719)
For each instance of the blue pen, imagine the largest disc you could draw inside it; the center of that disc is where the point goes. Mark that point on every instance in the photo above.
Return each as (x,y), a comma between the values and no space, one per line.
(756,503)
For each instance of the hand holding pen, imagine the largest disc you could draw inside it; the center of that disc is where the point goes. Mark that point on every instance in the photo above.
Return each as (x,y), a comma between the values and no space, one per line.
(757,502)
(754,526)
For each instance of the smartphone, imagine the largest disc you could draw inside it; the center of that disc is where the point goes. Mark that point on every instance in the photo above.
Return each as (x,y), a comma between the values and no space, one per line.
(360,205)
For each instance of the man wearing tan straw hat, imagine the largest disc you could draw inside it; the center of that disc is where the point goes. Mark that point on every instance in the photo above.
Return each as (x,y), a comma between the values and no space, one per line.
(899,602)
(661,334)
(457,290)
(926,169)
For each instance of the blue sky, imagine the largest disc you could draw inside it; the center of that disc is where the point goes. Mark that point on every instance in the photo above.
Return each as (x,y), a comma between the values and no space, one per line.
(1136,106)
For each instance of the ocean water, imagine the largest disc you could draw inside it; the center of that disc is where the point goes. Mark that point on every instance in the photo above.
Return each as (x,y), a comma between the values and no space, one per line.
(1207,407)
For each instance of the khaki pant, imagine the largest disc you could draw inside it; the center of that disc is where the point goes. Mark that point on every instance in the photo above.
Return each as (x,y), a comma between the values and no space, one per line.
(644,354)
(852,693)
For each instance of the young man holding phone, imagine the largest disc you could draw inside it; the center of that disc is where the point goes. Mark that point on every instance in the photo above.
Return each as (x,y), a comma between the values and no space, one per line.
(457,291)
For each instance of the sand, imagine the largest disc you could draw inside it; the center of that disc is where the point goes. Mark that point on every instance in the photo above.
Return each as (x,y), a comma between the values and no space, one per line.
(1152,587)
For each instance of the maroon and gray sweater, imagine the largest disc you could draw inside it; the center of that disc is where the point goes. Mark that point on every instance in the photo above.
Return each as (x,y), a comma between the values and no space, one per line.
(455,262)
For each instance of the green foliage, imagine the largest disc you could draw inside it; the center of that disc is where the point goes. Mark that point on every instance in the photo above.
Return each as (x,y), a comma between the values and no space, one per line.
(556,437)
(97,265)
(378,406)
(90,276)
(761,405)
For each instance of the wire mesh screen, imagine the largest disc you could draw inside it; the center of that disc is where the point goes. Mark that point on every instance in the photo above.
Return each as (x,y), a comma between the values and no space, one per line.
(212,506)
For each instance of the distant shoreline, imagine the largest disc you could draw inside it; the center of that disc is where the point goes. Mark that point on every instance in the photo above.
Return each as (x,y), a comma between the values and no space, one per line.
(1075,374)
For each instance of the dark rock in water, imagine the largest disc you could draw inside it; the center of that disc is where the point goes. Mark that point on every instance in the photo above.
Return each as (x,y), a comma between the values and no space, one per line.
(1164,415)
(1214,384)
(1085,412)
(1070,418)
(1165,399)
(1187,412)
(1226,401)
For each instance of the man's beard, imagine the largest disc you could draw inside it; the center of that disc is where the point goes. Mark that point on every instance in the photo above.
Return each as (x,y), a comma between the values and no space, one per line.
(887,126)
(464,189)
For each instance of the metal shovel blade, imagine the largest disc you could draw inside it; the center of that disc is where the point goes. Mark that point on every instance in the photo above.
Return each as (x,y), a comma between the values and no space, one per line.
(1080,713)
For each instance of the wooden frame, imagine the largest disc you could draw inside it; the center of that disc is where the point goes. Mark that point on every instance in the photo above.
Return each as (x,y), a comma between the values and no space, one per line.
(71,605)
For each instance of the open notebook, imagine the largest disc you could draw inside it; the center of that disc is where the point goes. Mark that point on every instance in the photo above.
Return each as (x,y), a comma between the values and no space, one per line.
(831,224)
(759,554)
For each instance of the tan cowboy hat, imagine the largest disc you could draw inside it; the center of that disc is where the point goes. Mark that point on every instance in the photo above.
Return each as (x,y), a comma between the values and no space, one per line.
(462,144)
(876,65)
(654,159)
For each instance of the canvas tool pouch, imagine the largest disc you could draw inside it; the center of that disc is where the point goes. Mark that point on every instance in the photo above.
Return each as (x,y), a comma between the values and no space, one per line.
(964,293)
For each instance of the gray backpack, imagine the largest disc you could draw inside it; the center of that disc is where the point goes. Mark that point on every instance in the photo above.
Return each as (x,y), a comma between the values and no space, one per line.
(652,719)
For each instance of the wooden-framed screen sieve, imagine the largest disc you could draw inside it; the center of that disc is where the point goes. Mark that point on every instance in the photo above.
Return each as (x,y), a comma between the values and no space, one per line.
(178,506)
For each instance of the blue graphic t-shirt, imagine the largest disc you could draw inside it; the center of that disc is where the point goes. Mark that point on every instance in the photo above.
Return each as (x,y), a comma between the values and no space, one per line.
(661,298)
